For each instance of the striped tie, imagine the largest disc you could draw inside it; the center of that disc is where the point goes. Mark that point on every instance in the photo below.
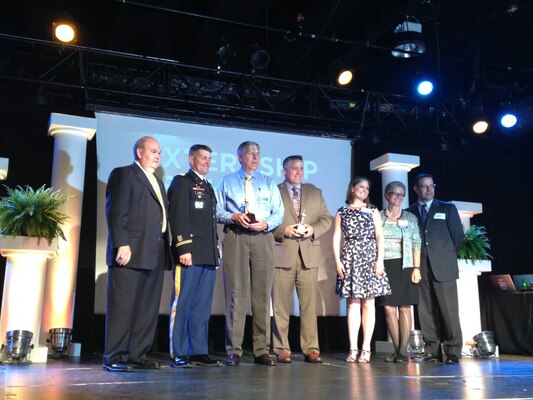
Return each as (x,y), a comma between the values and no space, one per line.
(296,200)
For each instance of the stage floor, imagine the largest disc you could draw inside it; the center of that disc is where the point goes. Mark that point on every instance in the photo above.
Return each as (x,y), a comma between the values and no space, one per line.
(73,378)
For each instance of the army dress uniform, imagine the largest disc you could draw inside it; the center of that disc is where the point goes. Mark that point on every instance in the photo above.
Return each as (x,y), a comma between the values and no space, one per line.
(192,207)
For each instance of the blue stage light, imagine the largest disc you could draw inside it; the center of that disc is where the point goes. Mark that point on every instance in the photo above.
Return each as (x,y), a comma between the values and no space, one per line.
(424,87)
(508,120)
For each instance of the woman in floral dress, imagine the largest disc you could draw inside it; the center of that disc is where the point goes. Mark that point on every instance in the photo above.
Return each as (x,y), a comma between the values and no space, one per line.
(358,251)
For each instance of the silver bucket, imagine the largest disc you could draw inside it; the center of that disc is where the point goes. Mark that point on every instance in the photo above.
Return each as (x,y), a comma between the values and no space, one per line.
(485,344)
(60,339)
(18,344)
(416,342)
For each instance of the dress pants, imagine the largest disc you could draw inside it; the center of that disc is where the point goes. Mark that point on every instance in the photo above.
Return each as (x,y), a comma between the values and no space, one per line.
(248,269)
(133,297)
(305,281)
(438,312)
(191,309)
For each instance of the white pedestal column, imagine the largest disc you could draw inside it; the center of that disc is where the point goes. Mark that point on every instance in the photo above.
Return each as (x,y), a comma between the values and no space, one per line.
(71,134)
(467,285)
(22,299)
(394,167)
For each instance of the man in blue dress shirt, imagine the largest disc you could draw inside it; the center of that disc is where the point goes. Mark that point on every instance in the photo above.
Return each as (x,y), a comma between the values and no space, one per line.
(249,205)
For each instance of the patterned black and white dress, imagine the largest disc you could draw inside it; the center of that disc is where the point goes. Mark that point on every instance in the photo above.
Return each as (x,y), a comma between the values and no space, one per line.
(358,255)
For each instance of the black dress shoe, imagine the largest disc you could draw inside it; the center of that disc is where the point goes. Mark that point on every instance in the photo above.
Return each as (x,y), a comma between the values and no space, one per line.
(264,359)
(204,360)
(452,359)
(146,364)
(180,362)
(401,358)
(118,367)
(428,357)
(390,358)
(233,360)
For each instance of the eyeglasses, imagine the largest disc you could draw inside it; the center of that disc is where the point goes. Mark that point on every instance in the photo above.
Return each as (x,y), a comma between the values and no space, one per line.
(397,194)
(424,187)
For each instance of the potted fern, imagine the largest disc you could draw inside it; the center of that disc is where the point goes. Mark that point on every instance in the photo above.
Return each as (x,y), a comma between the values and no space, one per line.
(474,250)
(26,212)
(30,226)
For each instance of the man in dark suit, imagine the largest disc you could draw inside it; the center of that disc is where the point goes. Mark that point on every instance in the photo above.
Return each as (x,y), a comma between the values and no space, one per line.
(298,258)
(138,251)
(442,237)
(194,229)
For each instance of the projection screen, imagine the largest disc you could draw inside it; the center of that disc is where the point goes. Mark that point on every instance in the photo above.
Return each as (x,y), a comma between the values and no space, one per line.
(327,165)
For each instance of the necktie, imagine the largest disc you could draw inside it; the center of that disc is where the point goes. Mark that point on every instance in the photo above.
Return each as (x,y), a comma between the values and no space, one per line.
(296,200)
(249,194)
(157,190)
(424,213)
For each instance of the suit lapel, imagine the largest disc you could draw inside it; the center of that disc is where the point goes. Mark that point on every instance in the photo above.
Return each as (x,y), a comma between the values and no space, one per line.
(144,179)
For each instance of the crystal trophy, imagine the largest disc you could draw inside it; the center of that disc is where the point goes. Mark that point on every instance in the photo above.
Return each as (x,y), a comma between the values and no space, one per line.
(301,226)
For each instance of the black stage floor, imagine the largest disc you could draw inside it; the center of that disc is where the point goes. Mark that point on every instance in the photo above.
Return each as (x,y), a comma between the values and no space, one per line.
(507,377)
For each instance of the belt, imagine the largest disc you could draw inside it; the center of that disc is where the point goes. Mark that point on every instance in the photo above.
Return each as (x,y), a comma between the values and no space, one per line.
(239,230)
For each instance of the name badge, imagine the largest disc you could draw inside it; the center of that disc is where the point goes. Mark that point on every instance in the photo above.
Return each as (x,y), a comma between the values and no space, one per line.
(439,216)
(366,210)
(198,204)
(403,223)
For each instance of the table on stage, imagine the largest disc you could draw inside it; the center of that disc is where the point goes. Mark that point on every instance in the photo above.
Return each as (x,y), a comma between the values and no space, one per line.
(510,317)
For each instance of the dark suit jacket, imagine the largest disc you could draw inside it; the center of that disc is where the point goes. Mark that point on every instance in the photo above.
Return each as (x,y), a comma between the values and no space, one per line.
(134,217)
(442,237)
(193,218)
(317,215)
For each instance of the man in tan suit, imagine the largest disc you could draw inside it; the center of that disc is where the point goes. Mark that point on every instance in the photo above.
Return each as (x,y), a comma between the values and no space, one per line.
(298,256)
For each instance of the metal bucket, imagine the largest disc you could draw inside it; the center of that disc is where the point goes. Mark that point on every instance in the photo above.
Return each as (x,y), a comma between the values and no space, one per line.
(416,342)
(60,339)
(485,343)
(18,344)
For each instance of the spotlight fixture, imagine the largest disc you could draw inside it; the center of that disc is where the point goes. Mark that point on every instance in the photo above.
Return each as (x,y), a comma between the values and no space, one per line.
(345,77)
(259,58)
(480,127)
(409,41)
(485,345)
(339,72)
(224,52)
(64,30)
(508,120)
(424,87)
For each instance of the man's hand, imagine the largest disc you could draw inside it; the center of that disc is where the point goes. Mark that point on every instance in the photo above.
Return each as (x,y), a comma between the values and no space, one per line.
(186,259)
(295,231)
(123,255)
(241,219)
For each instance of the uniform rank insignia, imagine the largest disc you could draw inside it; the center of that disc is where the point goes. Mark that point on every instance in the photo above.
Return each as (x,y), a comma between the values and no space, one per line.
(198,204)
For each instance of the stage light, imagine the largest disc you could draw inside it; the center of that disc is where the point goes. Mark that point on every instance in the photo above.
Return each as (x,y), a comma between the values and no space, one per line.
(18,345)
(485,344)
(259,58)
(60,340)
(345,77)
(424,87)
(409,42)
(416,343)
(224,52)
(508,120)
(64,30)
(480,127)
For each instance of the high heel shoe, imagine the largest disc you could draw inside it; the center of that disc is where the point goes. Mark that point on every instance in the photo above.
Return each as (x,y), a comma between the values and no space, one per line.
(364,357)
(353,356)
